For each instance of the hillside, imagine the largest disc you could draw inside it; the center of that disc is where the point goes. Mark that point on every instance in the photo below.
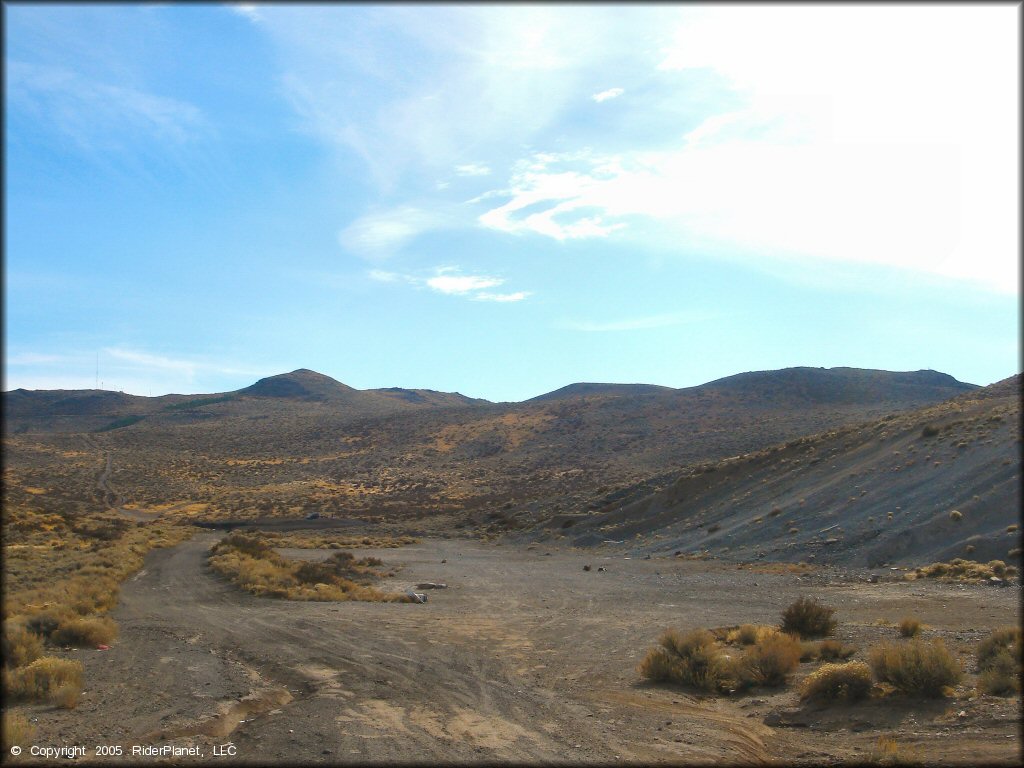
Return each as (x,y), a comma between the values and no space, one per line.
(302,442)
(878,492)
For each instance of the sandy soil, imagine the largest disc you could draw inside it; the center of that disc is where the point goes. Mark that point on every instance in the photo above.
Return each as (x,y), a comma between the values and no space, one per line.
(525,657)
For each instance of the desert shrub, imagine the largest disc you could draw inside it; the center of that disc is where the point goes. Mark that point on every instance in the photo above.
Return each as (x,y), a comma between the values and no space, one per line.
(809,650)
(45,622)
(770,661)
(910,626)
(846,682)
(959,569)
(832,650)
(1003,640)
(1001,676)
(20,646)
(807,617)
(42,677)
(66,696)
(17,730)
(91,631)
(929,431)
(692,659)
(888,751)
(748,634)
(714,528)
(916,668)
(956,515)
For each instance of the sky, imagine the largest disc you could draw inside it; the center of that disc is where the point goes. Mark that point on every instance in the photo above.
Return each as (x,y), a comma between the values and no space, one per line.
(503,200)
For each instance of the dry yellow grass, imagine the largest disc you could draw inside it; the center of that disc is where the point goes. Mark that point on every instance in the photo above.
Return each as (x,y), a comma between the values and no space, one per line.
(39,680)
(250,562)
(960,569)
(910,626)
(807,617)
(20,646)
(309,540)
(770,661)
(916,668)
(838,682)
(17,731)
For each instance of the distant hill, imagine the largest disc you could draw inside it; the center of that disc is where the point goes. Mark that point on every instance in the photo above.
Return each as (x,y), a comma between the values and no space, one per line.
(302,384)
(302,441)
(842,385)
(867,494)
(602,390)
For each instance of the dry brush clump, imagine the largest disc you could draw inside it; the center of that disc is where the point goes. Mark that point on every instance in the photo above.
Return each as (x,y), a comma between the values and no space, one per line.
(769,661)
(20,645)
(17,730)
(960,569)
(910,626)
(1000,659)
(916,668)
(695,659)
(692,659)
(807,618)
(850,681)
(301,540)
(251,562)
(46,679)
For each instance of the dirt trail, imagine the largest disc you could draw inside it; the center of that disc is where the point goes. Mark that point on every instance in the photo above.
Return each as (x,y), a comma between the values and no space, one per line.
(113,499)
(524,658)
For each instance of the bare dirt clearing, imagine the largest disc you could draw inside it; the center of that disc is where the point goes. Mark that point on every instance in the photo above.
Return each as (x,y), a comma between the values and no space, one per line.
(525,657)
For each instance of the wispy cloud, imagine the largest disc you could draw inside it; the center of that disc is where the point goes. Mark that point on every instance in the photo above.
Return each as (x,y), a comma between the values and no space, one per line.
(380,235)
(450,282)
(120,368)
(461,284)
(247,10)
(502,297)
(611,93)
(100,115)
(638,323)
(472,169)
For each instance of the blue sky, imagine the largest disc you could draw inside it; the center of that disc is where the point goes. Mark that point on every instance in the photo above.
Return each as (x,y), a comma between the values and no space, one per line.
(502,200)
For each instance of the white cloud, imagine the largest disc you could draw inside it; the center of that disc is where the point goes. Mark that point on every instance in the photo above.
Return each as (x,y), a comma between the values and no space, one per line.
(98,115)
(611,93)
(120,369)
(460,284)
(858,158)
(501,297)
(247,10)
(448,281)
(379,235)
(472,169)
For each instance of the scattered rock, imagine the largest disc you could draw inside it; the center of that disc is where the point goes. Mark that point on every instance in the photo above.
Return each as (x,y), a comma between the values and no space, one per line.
(586,567)
(785,718)
(873,578)
(602,568)
(417,597)
(431,585)
(444,561)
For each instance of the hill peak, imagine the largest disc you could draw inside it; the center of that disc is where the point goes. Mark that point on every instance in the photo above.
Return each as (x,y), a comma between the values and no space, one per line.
(301,383)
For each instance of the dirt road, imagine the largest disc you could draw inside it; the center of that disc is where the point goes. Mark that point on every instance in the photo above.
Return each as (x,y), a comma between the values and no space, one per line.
(525,657)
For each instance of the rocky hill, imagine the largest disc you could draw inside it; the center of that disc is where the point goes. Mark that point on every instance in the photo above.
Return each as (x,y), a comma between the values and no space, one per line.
(918,486)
